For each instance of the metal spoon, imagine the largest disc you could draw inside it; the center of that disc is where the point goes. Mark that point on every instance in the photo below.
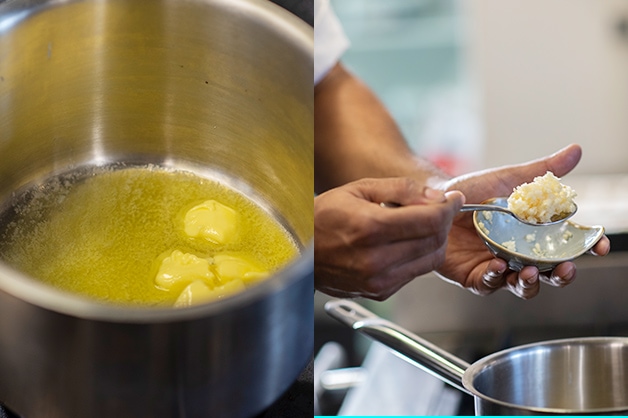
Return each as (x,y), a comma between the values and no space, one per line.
(492,204)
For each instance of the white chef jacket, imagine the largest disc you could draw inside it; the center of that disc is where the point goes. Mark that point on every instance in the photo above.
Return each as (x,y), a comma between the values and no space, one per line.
(330,41)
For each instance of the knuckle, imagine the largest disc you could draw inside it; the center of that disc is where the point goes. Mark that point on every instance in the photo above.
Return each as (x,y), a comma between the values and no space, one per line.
(363,231)
(369,266)
(407,183)
(378,288)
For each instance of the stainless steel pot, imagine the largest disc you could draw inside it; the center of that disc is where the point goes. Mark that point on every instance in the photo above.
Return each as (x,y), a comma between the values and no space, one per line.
(570,376)
(216,86)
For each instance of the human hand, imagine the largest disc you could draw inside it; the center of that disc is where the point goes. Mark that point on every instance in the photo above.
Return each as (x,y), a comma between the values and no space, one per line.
(364,249)
(470,264)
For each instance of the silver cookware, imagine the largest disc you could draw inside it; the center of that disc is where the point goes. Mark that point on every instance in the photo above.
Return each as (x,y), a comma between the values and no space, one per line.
(579,376)
(220,87)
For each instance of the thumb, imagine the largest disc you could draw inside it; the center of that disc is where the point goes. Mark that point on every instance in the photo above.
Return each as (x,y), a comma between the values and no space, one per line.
(500,181)
(559,163)
(503,179)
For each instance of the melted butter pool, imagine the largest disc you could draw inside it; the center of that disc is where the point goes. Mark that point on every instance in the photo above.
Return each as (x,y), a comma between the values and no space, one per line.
(102,236)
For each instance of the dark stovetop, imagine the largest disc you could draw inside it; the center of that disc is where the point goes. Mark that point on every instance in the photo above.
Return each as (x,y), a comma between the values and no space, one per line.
(302,8)
(4,411)
(297,402)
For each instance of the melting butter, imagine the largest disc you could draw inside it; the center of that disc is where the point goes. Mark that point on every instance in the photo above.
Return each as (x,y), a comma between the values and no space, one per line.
(212,221)
(200,292)
(243,267)
(181,268)
(104,238)
(196,292)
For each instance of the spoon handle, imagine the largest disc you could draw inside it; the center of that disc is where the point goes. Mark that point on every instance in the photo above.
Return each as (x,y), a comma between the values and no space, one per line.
(469,208)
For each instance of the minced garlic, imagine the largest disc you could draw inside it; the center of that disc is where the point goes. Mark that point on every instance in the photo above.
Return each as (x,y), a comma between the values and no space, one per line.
(544,200)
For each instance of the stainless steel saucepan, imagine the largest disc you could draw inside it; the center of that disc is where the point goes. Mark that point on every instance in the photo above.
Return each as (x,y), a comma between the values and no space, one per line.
(570,376)
(218,87)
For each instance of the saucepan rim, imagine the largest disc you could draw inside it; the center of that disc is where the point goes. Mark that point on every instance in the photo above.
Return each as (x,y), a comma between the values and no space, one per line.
(45,296)
(13,11)
(489,361)
(23,287)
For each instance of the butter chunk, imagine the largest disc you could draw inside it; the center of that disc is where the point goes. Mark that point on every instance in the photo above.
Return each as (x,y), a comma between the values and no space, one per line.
(233,267)
(199,292)
(194,293)
(212,221)
(182,268)
(228,289)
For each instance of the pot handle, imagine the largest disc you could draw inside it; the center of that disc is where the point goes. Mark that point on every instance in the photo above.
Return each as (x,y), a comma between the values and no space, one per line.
(409,346)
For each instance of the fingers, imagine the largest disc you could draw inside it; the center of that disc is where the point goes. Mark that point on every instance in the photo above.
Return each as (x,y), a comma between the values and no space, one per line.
(387,282)
(561,276)
(378,272)
(526,283)
(560,163)
(523,284)
(416,244)
(493,278)
(399,191)
(415,221)
(563,161)
(362,248)
(602,247)
(500,181)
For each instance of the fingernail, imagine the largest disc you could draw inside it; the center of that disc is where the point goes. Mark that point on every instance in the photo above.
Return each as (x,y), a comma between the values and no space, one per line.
(433,194)
(496,272)
(456,192)
(527,283)
(562,281)
(493,273)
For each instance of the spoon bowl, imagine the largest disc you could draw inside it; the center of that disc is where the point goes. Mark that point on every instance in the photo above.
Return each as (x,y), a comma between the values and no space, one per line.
(500,204)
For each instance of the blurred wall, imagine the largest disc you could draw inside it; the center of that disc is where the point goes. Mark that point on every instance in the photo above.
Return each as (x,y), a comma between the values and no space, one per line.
(595,301)
(412,53)
(549,73)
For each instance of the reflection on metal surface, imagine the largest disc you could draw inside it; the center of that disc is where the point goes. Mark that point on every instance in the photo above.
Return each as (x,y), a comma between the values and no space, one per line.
(83,82)
(581,375)
(9,21)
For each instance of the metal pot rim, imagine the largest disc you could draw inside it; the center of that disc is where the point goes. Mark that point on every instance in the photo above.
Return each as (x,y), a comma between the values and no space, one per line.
(486,362)
(48,297)
(15,11)
(36,293)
